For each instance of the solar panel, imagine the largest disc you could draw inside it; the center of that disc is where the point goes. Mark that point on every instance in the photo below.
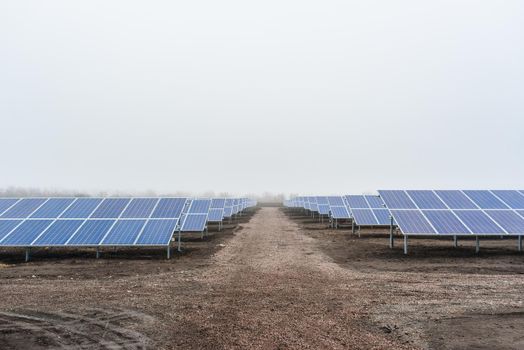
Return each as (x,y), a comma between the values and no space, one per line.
(81,208)
(215,215)
(228,212)
(6,203)
(91,233)
(383,217)
(323,209)
(52,208)
(514,199)
(169,208)
(509,220)
(375,202)
(140,208)
(479,222)
(355,201)
(26,233)
(336,201)
(445,222)
(124,232)
(364,217)
(339,212)
(455,199)
(200,206)
(412,222)
(395,199)
(58,233)
(110,208)
(7,226)
(322,200)
(218,203)
(194,223)
(23,208)
(426,200)
(157,232)
(485,199)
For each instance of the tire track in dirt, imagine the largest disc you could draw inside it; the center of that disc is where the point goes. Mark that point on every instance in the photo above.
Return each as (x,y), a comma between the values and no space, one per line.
(97,329)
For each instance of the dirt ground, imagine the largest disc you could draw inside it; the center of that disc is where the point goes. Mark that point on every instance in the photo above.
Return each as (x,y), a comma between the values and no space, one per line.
(277,280)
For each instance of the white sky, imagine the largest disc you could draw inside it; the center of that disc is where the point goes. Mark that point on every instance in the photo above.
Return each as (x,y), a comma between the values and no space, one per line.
(308,97)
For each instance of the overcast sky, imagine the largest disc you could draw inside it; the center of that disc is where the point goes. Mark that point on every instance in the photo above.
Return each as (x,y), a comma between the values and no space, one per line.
(310,97)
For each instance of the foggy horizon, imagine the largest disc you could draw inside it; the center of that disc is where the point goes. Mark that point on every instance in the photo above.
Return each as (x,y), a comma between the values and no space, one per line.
(275,98)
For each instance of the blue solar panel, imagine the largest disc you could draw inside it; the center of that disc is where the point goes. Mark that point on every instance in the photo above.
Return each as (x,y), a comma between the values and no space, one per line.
(336,201)
(355,201)
(124,232)
(23,208)
(6,203)
(364,217)
(478,222)
(218,203)
(215,215)
(397,200)
(81,208)
(200,206)
(169,208)
(514,199)
(412,222)
(339,212)
(194,223)
(456,199)
(157,232)
(383,217)
(58,233)
(485,200)
(426,200)
(322,201)
(7,226)
(91,233)
(111,208)
(445,222)
(52,208)
(140,208)
(375,202)
(26,233)
(508,219)
(323,209)
(228,212)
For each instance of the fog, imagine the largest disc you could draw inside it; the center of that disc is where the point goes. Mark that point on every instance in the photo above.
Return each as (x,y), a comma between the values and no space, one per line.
(235,97)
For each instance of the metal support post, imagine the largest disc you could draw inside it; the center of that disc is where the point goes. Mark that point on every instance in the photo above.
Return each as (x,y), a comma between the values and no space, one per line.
(405,244)
(97,252)
(179,241)
(477,245)
(455,241)
(391,238)
(169,252)
(27,254)
(520,243)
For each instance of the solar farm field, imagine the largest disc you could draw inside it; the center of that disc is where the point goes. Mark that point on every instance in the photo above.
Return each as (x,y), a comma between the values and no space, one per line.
(273,278)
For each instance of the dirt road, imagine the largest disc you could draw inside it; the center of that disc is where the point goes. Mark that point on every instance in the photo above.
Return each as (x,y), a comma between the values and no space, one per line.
(272,287)
(277,281)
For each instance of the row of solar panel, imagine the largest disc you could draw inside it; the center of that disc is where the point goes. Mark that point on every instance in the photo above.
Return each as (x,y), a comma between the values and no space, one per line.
(65,232)
(453,199)
(366,210)
(455,212)
(110,208)
(106,221)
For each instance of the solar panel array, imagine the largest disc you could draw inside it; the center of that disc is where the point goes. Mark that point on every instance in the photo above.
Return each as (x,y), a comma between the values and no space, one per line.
(98,222)
(457,212)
